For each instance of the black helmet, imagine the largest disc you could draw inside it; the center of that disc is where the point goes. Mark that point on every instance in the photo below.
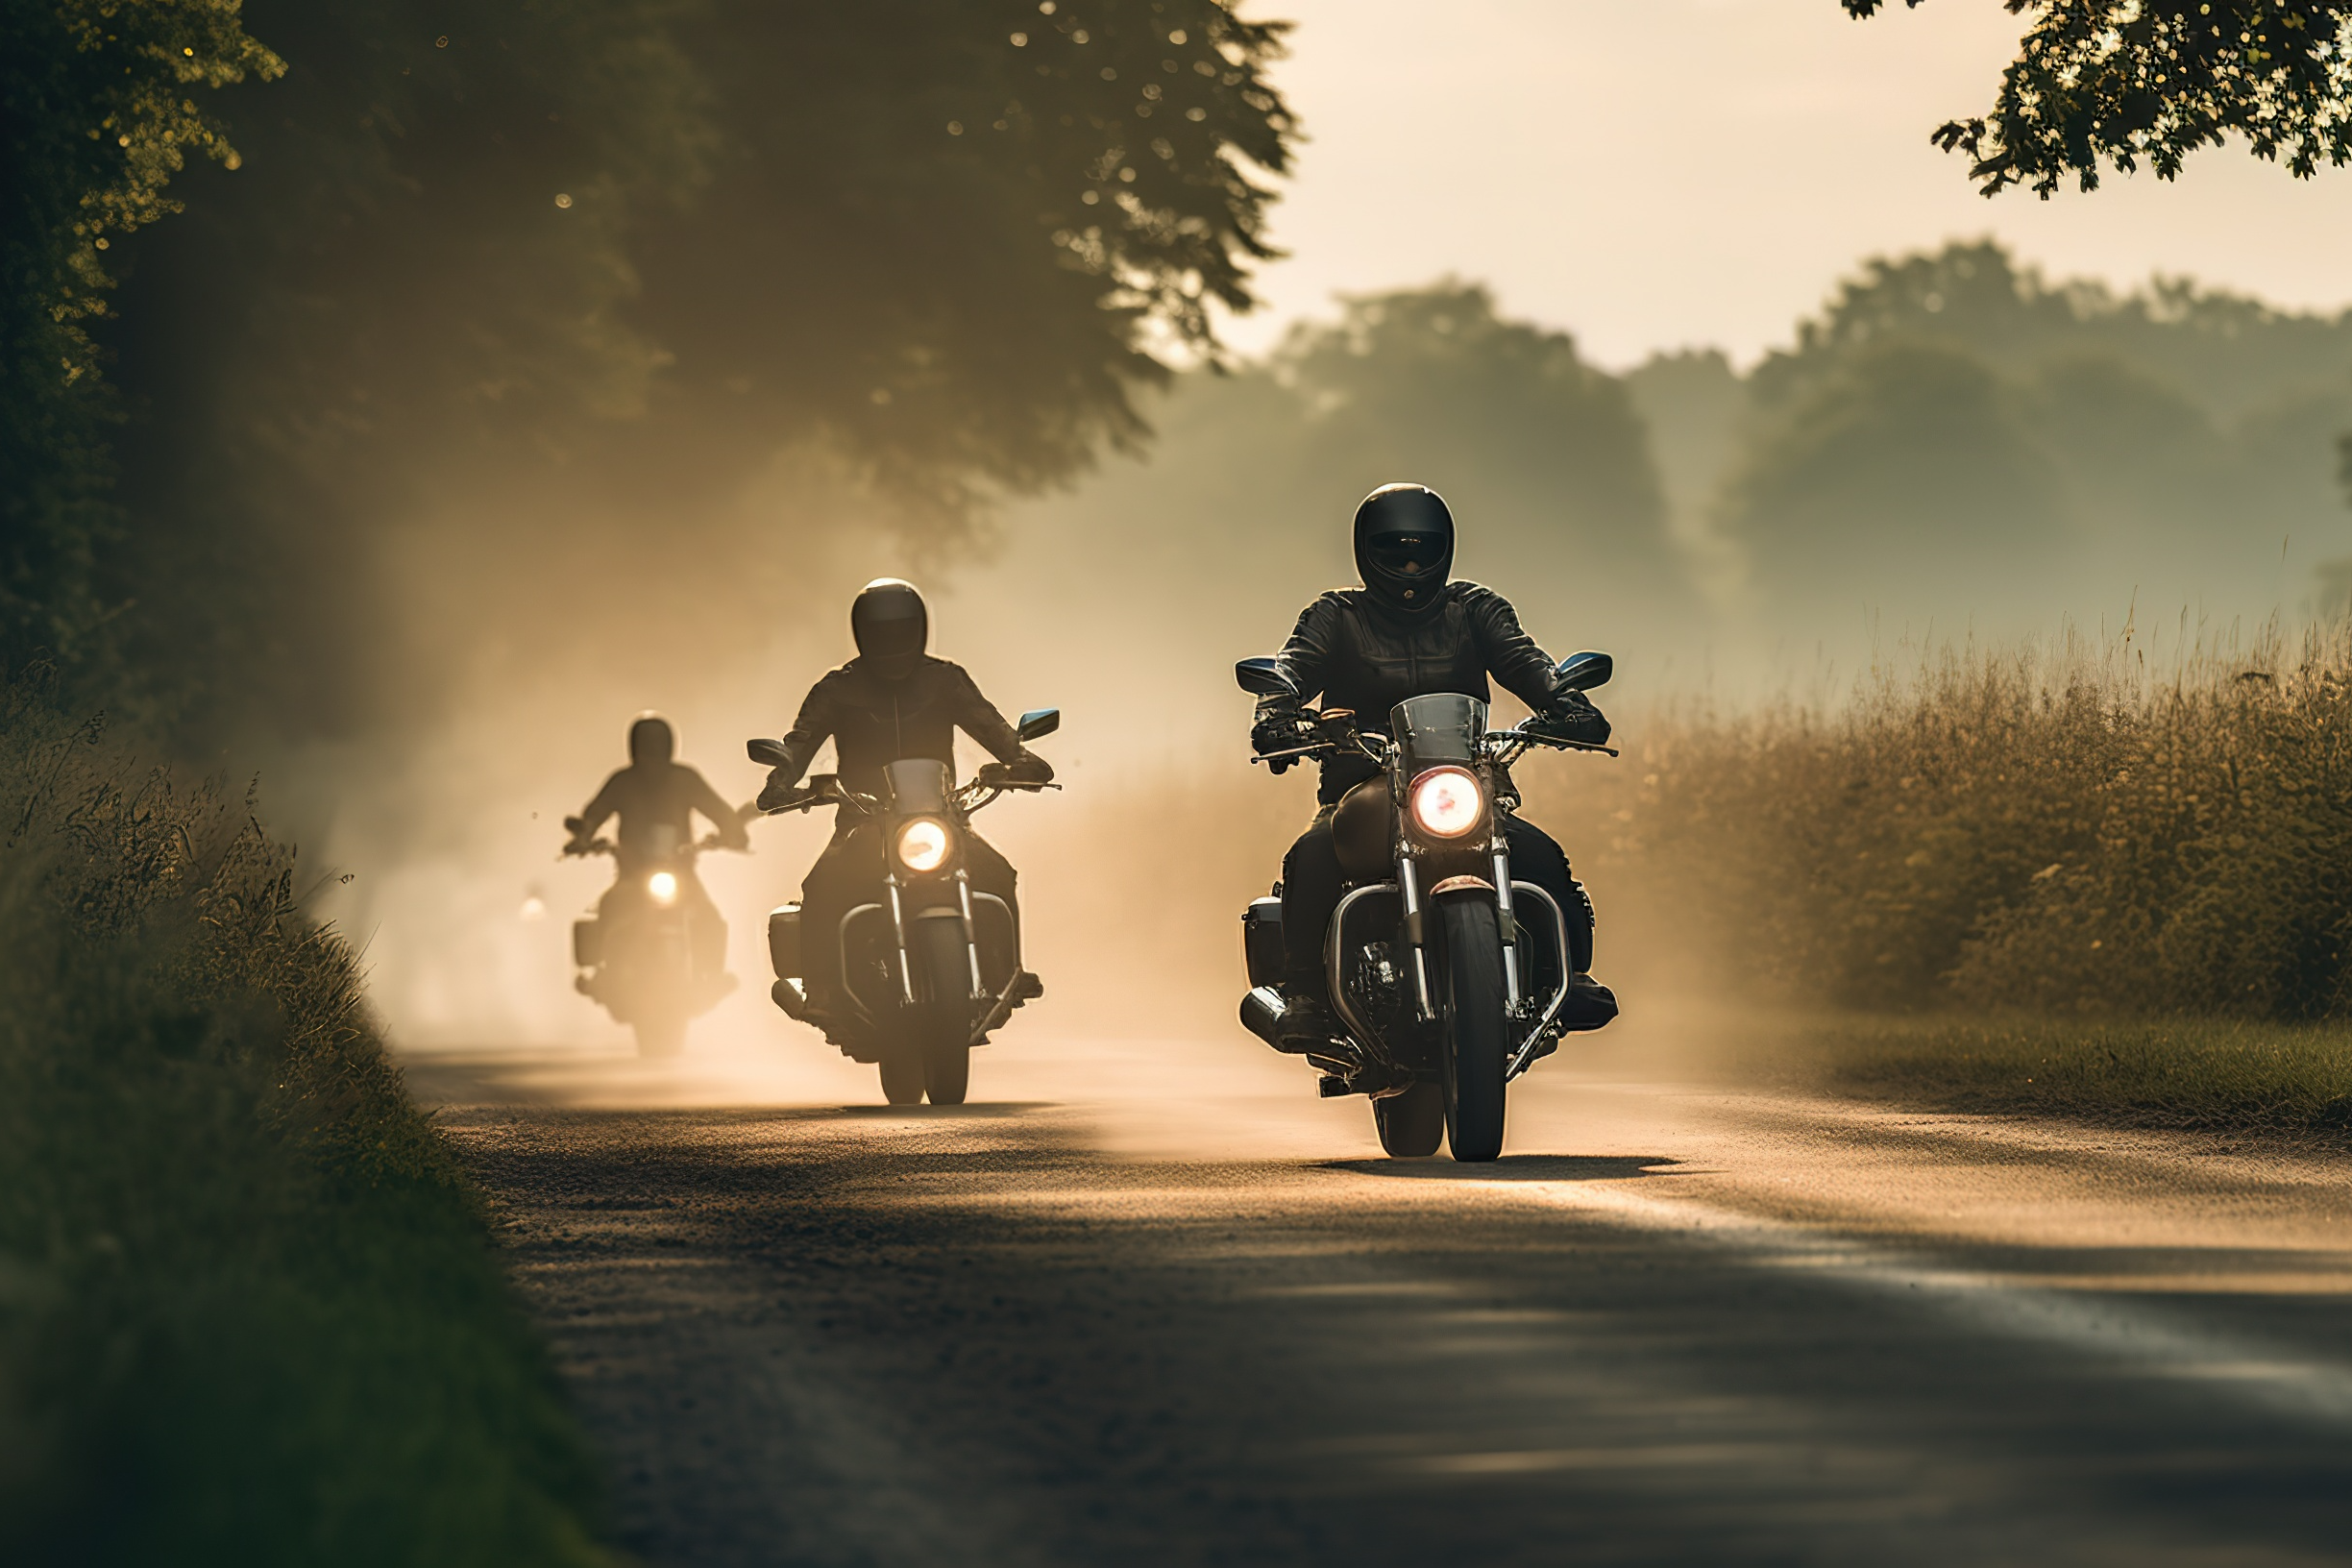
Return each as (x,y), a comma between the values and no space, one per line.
(891,626)
(651,741)
(1405,546)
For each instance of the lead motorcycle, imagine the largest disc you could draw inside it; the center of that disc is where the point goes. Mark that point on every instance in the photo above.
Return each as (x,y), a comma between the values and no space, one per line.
(636,955)
(930,967)
(1448,976)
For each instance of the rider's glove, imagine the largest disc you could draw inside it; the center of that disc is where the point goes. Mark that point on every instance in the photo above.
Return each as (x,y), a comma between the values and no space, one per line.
(1278,729)
(1027,770)
(780,792)
(1572,717)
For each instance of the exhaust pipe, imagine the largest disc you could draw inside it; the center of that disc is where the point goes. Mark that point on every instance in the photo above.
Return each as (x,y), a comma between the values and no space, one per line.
(1262,1014)
(787,996)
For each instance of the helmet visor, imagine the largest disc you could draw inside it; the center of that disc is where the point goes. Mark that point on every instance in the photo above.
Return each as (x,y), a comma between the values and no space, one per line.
(898,637)
(1407,555)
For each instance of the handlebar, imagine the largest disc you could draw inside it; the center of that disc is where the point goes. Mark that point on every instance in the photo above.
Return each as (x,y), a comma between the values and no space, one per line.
(1334,732)
(967,798)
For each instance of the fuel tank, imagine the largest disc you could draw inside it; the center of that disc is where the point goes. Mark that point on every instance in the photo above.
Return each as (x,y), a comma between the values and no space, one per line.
(1363,831)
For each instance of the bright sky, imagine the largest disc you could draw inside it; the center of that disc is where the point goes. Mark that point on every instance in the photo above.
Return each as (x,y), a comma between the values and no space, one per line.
(1654,173)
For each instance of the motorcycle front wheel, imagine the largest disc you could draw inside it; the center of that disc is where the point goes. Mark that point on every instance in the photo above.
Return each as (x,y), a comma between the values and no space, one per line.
(1475,1027)
(944,952)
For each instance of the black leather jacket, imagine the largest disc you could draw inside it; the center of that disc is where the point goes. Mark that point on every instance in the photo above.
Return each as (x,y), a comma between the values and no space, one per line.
(651,796)
(1358,657)
(874,723)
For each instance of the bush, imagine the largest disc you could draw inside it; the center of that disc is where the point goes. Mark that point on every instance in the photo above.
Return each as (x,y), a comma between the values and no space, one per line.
(248,1308)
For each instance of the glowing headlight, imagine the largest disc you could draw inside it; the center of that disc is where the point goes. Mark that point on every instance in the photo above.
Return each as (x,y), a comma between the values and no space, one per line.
(1447,803)
(923,844)
(662,888)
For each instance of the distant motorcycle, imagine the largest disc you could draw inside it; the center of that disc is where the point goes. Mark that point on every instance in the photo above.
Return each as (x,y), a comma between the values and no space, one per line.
(636,958)
(929,966)
(1448,976)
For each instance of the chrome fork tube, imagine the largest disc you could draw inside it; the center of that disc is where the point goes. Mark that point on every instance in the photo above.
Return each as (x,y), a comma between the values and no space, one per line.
(1509,924)
(1409,885)
(971,928)
(906,967)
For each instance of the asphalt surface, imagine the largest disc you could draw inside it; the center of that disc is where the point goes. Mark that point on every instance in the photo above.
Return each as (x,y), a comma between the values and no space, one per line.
(1671,1326)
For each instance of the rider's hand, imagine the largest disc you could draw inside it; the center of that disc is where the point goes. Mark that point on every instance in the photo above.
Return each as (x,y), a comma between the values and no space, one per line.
(1029,770)
(780,792)
(1278,729)
(1572,717)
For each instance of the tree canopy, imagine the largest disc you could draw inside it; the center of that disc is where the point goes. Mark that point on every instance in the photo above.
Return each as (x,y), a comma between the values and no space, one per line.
(570,259)
(2122,84)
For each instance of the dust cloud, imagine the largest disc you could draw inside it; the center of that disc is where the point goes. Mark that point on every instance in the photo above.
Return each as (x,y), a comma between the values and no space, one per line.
(1730,537)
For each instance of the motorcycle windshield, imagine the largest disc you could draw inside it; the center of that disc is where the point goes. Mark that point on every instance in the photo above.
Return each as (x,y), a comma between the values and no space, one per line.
(917,787)
(1441,727)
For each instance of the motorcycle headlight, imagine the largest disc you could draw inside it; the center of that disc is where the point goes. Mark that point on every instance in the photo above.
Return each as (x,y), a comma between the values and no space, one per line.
(662,888)
(1446,802)
(923,844)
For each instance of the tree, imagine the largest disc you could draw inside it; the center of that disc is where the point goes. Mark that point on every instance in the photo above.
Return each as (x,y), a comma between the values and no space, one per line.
(2123,82)
(559,267)
(98,111)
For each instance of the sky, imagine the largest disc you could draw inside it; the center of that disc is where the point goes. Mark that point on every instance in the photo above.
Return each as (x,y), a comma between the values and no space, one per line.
(1650,174)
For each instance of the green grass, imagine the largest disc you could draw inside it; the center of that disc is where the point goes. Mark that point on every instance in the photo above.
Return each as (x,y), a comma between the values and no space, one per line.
(250,1311)
(2219,1074)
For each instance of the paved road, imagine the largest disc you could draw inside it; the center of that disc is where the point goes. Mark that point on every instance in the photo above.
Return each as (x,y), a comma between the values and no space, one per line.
(1672,1326)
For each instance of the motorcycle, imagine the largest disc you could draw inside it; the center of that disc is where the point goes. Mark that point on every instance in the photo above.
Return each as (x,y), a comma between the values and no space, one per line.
(637,959)
(1448,977)
(932,967)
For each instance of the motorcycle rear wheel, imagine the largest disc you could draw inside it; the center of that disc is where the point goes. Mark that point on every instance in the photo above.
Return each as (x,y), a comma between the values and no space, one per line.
(1475,1027)
(947,1073)
(1411,1125)
(902,1077)
(661,1038)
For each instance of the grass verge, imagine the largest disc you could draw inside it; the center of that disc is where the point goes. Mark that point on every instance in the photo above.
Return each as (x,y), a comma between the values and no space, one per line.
(2211,1074)
(248,1310)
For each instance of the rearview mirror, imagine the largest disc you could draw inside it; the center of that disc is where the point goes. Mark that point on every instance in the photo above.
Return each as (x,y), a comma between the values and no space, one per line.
(1263,678)
(767,754)
(1583,672)
(1038,722)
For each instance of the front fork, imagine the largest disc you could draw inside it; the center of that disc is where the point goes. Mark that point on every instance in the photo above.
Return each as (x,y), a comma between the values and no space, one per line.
(1416,932)
(898,931)
(1506,923)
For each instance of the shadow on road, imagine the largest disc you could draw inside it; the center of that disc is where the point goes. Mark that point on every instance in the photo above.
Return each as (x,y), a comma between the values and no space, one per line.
(993,1109)
(1514,1167)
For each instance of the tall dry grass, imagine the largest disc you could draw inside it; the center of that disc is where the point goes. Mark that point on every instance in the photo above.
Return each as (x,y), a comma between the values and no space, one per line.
(2056,827)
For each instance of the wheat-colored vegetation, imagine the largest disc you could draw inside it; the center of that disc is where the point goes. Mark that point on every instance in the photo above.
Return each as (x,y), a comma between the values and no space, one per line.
(2130,875)
(248,1310)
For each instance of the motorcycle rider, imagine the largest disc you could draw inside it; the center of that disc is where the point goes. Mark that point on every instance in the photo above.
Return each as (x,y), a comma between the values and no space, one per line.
(657,797)
(1408,631)
(891,702)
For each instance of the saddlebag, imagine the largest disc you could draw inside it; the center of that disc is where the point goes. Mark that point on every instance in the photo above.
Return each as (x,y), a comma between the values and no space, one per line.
(784,943)
(587,943)
(1261,942)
